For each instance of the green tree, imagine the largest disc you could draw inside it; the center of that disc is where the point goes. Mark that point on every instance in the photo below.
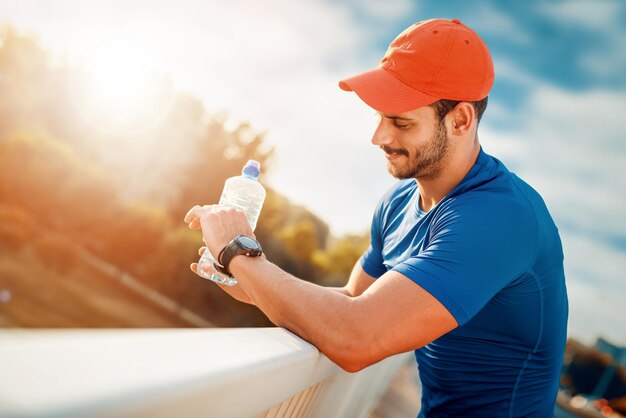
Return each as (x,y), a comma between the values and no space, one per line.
(59,173)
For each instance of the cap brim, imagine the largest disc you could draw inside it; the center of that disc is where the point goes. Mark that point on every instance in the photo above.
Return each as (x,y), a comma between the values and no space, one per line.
(383,92)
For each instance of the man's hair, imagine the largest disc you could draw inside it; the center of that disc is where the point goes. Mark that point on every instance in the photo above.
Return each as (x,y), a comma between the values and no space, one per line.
(444,106)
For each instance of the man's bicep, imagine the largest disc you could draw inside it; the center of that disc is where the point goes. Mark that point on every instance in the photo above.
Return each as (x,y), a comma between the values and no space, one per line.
(401,316)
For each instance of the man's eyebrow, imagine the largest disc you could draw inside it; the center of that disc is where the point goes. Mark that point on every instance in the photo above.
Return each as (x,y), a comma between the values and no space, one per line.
(394,117)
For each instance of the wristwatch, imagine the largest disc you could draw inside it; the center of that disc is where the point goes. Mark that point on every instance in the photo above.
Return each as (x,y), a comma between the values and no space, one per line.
(240,245)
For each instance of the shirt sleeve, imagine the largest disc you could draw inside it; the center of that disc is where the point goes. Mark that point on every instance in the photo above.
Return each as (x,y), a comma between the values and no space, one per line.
(476,248)
(372,259)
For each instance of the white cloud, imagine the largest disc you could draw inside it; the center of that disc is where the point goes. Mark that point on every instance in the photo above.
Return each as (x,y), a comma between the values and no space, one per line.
(605,64)
(595,311)
(387,11)
(486,20)
(609,59)
(601,17)
(508,70)
(594,262)
(579,142)
(591,14)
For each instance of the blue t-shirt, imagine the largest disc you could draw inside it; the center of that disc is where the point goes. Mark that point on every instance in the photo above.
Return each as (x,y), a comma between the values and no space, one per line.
(491,254)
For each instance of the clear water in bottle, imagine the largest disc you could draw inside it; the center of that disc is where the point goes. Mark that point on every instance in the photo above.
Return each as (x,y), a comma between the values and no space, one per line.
(246,194)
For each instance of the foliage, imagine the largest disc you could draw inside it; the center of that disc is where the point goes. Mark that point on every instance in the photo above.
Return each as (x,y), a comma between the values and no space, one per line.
(338,260)
(123,197)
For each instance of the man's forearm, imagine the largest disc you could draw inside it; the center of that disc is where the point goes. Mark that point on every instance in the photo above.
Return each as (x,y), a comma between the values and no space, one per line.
(325,317)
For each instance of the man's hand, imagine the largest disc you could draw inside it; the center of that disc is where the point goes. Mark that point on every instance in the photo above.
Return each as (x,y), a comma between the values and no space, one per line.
(219,225)
(235,291)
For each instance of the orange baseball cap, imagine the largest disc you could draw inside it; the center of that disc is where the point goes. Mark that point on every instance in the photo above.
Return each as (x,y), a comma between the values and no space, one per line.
(431,60)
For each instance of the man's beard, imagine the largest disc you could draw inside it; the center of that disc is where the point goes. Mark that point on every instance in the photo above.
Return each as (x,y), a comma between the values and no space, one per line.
(426,164)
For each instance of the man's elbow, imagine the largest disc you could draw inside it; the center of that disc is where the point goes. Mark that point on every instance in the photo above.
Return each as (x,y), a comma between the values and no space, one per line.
(353,366)
(354,354)
(355,362)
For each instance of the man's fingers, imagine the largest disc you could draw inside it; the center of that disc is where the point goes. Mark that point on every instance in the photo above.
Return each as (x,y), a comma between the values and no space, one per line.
(207,269)
(201,251)
(193,217)
(192,214)
(195,224)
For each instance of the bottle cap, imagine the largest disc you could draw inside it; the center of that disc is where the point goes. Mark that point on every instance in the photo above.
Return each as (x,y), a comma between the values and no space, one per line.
(252,169)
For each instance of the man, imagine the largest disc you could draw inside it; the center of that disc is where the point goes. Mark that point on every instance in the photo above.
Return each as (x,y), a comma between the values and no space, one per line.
(465,264)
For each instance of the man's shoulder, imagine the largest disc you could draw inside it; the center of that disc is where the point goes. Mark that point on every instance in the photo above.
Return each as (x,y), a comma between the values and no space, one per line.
(493,189)
(504,206)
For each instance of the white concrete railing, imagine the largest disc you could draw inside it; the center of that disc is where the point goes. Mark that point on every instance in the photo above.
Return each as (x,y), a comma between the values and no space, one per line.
(221,373)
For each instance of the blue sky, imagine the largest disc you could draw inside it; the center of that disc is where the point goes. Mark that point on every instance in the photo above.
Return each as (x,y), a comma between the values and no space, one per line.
(555,114)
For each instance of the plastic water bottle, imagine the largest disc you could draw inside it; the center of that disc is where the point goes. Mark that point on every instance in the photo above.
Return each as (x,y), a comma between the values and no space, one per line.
(245,193)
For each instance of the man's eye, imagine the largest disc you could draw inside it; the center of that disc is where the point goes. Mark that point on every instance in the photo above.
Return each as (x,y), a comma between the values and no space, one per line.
(399,125)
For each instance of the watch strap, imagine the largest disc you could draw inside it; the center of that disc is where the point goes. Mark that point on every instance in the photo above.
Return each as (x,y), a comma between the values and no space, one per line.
(232,249)
(221,269)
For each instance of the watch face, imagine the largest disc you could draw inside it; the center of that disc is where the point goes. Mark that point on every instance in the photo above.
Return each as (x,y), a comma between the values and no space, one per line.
(248,242)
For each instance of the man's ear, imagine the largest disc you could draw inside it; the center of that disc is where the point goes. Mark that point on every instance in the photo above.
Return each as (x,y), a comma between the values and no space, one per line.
(461,119)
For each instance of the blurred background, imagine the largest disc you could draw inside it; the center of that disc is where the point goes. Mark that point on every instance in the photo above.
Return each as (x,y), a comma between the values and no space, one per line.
(116,117)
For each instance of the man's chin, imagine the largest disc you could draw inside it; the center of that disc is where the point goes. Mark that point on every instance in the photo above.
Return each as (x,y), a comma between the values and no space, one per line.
(398,173)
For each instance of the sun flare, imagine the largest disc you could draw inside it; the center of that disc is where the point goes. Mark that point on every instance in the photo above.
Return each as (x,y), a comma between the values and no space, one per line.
(119,91)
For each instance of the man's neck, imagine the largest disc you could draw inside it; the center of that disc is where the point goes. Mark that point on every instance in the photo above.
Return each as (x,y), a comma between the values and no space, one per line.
(432,191)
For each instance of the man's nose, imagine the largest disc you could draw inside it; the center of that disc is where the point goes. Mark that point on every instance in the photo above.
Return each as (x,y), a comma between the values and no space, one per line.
(381,135)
